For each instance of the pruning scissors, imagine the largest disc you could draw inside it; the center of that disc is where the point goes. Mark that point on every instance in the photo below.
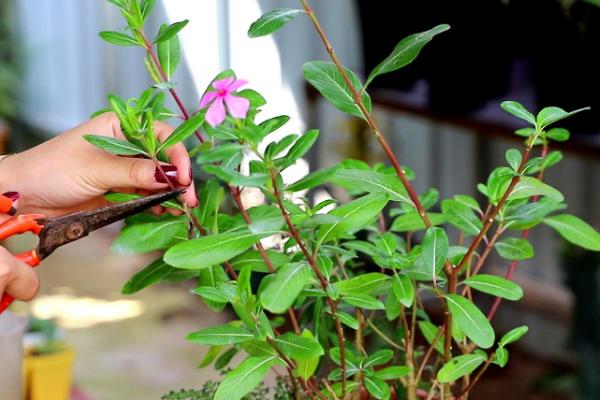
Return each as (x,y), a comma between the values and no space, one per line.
(56,232)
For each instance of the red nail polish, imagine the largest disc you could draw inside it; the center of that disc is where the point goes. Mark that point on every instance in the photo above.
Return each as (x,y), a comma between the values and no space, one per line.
(169,170)
(14,196)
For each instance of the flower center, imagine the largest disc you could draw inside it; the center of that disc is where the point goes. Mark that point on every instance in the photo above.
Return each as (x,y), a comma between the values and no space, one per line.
(222,93)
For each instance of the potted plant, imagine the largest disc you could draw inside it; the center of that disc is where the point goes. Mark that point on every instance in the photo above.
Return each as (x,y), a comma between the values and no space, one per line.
(339,312)
(47,366)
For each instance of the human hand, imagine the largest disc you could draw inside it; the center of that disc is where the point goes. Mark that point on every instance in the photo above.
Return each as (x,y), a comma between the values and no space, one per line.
(17,278)
(67,174)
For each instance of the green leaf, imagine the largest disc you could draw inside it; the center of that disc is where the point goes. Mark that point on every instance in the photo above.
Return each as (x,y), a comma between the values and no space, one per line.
(372,182)
(514,249)
(363,301)
(225,358)
(313,179)
(220,335)
(380,357)
(169,54)
(115,146)
(558,134)
(513,335)
(325,77)
(575,231)
(377,387)
(254,259)
(347,320)
(462,216)
(392,373)
(245,377)
(119,39)
(210,356)
(429,331)
(496,286)
(298,347)
(235,178)
(211,250)
(518,111)
(412,221)
(501,357)
(363,284)
(272,21)
(183,131)
(434,250)
(141,238)
(459,367)
(170,31)
(153,273)
(302,146)
(272,124)
(219,153)
(514,158)
(146,7)
(403,289)
(405,52)
(550,115)
(282,291)
(307,367)
(353,215)
(529,186)
(471,320)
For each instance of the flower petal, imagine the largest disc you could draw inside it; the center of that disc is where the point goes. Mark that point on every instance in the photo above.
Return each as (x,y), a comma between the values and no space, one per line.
(216,113)
(223,84)
(236,85)
(207,98)
(238,106)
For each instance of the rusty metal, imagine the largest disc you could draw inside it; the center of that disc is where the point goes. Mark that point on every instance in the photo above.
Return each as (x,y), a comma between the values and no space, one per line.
(69,228)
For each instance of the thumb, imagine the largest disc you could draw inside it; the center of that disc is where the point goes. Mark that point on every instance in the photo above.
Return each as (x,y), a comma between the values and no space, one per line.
(17,278)
(136,173)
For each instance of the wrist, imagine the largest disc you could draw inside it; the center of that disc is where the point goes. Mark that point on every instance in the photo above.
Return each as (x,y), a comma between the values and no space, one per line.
(8,179)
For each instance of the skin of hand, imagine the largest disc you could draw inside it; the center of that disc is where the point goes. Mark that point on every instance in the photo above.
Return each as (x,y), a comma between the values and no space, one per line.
(67,174)
(16,278)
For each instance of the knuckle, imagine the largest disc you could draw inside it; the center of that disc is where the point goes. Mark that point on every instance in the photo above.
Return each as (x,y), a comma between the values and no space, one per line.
(136,171)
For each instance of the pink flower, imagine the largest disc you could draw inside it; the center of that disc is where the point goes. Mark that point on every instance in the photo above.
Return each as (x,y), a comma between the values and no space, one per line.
(221,97)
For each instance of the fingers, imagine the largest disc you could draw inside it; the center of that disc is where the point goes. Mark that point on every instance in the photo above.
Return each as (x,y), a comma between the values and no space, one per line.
(178,156)
(17,278)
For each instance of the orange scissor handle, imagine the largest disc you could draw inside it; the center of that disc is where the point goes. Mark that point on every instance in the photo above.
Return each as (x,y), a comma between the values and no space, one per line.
(16,226)
(21,224)
(33,260)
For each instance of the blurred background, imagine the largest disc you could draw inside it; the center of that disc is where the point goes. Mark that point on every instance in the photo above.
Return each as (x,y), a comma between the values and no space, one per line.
(441,114)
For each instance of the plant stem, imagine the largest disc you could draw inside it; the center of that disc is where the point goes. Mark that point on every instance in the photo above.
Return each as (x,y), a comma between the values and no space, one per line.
(429,353)
(356,95)
(476,378)
(236,195)
(513,265)
(323,281)
(383,335)
(491,217)
(150,50)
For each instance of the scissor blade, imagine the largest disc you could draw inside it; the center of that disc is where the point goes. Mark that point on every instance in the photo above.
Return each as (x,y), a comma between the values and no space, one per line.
(69,228)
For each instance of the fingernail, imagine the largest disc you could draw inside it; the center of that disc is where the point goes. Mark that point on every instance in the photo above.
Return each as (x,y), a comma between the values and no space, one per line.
(169,170)
(14,196)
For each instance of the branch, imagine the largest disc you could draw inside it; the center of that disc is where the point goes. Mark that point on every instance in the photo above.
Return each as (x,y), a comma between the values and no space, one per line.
(513,265)
(324,283)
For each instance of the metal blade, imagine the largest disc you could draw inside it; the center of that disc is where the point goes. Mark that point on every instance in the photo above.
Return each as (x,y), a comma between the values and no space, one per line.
(71,227)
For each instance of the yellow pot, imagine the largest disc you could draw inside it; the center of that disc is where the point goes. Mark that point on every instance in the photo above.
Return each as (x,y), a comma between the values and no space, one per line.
(48,376)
